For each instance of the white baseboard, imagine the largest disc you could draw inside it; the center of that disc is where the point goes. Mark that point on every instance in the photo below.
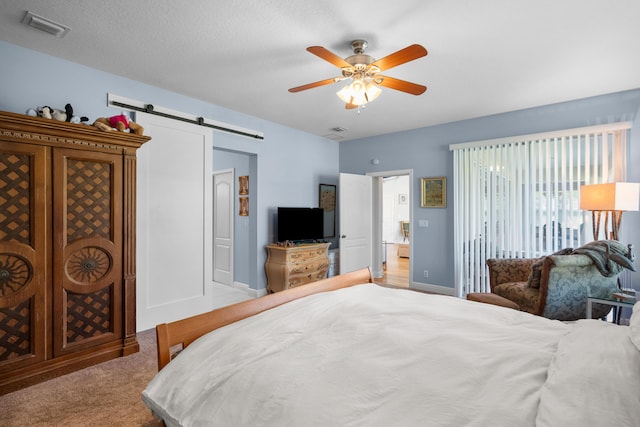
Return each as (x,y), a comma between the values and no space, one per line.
(253,293)
(257,293)
(245,289)
(377,273)
(242,287)
(436,289)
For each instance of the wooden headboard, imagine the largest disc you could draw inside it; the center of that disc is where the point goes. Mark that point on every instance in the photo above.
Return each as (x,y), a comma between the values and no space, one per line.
(184,332)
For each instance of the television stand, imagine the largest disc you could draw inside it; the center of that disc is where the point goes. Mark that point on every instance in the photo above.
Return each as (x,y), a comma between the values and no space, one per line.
(291,266)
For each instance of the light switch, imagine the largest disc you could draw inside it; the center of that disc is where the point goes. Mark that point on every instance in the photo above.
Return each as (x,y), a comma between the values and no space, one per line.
(423,223)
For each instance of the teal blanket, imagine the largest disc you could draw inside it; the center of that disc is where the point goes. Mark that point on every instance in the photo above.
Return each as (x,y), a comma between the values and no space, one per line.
(609,256)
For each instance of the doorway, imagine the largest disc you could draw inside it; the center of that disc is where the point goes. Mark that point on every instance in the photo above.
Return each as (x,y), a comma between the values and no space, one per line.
(392,227)
(242,230)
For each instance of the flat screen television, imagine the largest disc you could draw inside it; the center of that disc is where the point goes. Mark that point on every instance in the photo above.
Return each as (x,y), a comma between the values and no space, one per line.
(300,224)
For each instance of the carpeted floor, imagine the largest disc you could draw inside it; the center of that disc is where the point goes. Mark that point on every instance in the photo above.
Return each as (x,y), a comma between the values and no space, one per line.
(107,394)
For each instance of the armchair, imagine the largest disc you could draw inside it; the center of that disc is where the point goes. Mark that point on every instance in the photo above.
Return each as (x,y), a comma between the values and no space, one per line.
(555,286)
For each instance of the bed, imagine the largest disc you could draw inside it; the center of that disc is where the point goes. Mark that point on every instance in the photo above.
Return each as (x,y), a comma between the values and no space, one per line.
(347,352)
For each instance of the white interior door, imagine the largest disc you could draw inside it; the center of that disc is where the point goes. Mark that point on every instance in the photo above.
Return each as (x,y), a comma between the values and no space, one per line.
(356,207)
(174,212)
(223,200)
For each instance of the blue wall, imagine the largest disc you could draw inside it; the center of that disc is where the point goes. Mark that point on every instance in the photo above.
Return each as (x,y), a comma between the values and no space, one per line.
(426,151)
(288,164)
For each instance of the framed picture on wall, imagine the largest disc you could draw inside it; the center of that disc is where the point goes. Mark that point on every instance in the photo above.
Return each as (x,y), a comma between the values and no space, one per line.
(243,183)
(244,206)
(433,192)
(327,195)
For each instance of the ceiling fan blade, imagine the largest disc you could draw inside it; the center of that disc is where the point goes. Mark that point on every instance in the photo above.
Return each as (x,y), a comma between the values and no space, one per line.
(407,54)
(402,85)
(328,56)
(350,106)
(312,85)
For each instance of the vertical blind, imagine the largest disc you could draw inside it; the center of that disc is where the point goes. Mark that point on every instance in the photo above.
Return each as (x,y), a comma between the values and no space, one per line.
(518,197)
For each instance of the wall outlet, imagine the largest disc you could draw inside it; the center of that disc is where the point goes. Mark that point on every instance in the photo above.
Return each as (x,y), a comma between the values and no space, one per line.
(426,273)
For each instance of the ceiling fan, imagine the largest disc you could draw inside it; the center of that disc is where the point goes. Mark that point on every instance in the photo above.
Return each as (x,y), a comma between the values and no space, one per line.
(364,71)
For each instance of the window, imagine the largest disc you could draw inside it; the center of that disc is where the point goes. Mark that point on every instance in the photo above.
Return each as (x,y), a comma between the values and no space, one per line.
(518,197)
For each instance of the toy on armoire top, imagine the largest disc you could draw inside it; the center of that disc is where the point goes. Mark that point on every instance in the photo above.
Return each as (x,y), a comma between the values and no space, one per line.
(65,115)
(120,122)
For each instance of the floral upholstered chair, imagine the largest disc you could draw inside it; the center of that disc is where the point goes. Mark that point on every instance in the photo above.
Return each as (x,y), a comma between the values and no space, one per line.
(556,286)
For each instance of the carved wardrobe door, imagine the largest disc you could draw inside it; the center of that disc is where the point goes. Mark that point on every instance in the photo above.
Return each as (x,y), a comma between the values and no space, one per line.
(23,255)
(87,249)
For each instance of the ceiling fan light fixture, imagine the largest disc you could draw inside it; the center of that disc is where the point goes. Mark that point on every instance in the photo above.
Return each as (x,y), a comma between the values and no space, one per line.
(353,93)
(364,72)
(373,91)
(359,92)
(347,94)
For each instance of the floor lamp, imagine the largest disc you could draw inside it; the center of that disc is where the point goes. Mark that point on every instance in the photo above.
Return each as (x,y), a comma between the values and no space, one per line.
(612,199)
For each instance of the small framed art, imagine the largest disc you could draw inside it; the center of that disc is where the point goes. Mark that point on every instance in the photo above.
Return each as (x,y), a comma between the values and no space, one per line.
(244,206)
(433,192)
(243,182)
(327,194)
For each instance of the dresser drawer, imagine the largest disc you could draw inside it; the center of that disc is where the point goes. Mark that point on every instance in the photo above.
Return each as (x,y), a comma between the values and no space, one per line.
(308,275)
(305,255)
(291,266)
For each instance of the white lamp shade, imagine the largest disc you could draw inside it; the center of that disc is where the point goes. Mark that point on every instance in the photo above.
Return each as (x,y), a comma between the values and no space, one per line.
(614,196)
(359,92)
(349,96)
(373,91)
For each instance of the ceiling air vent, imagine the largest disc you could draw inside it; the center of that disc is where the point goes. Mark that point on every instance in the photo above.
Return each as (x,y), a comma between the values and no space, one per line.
(44,24)
(334,136)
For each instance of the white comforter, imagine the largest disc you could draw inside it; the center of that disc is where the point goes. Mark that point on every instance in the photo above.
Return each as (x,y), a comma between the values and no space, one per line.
(374,356)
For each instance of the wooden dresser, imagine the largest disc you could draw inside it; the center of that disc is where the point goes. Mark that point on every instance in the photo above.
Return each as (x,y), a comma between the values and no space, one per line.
(67,247)
(291,266)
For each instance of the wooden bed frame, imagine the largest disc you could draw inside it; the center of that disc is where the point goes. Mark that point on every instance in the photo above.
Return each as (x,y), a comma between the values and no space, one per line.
(179,334)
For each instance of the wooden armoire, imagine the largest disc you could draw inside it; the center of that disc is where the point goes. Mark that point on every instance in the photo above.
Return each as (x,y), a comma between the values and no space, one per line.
(67,247)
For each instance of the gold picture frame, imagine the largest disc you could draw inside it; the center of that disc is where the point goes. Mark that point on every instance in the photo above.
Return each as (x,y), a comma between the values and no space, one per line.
(433,192)
(243,185)
(244,206)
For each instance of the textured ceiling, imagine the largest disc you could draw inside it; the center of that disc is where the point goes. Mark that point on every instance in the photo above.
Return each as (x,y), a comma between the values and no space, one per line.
(485,56)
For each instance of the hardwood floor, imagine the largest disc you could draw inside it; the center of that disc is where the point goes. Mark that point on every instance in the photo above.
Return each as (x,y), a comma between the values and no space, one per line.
(397,271)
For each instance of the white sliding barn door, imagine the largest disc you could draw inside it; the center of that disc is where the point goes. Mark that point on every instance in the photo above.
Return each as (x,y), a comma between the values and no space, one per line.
(174,217)
(223,199)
